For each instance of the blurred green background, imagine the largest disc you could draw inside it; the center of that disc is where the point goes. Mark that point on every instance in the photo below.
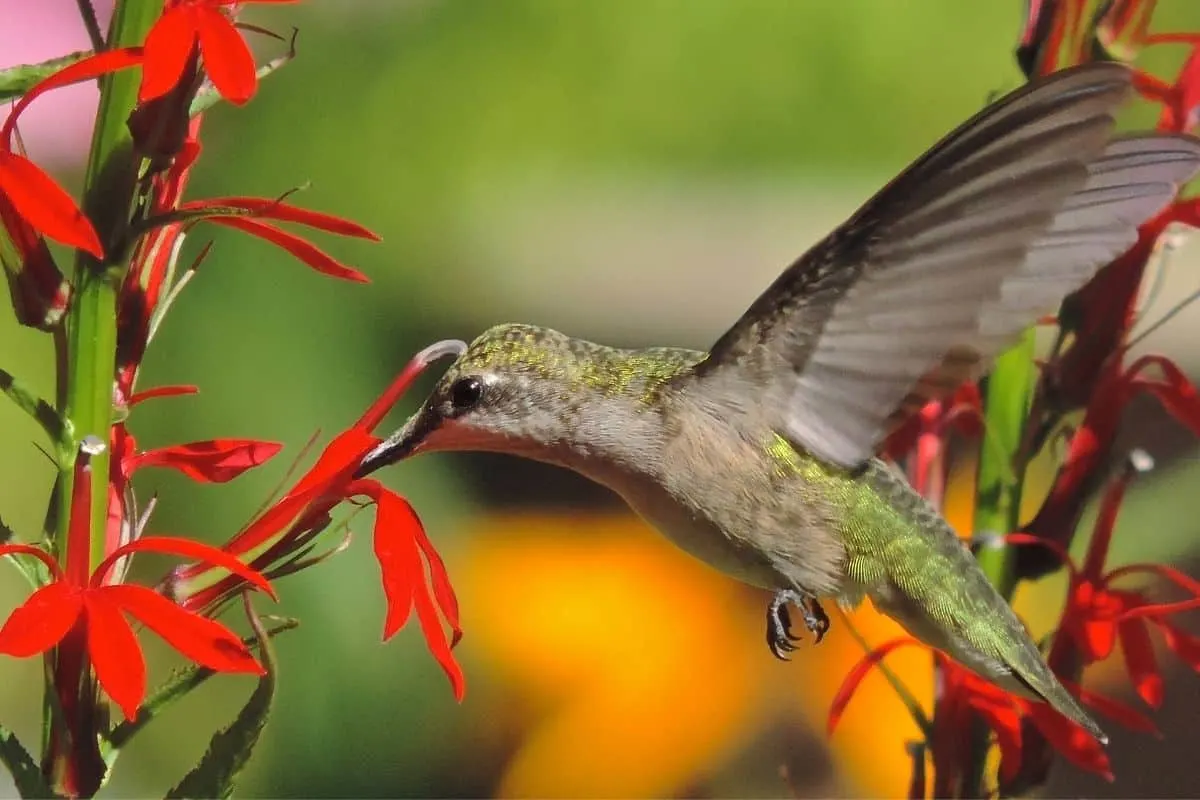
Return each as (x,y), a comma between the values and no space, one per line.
(632,171)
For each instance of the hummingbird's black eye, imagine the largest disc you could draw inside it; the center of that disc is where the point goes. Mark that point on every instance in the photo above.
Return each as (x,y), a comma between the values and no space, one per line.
(465,393)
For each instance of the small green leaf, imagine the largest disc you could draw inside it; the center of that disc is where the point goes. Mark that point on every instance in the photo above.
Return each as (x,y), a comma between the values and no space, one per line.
(230,748)
(24,770)
(32,405)
(178,685)
(16,81)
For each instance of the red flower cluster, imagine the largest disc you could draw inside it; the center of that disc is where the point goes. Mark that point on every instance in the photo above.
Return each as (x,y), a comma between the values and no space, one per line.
(280,540)
(79,615)
(1087,370)
(963,695)
(190,25)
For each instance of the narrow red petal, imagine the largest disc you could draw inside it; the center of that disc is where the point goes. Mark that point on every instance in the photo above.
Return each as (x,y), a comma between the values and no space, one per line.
(212,461)
(162,391)
(435,638)
(1184,645)
(202,640)
(399,561)
(188,549)
(45,205)
(1180,579)
(304,250)
(1176,393)
(443,591)
(86,69)
(115,653)
(227,60)
(41,621)
(1005,721)
(265,208)
(392,394)
(37,552)
(1140,661)
(1120,713)
(855,676)
(168,48)
(1073,742)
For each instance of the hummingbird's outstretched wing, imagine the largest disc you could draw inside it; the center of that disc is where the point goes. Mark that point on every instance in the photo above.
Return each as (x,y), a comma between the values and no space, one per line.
(944,267)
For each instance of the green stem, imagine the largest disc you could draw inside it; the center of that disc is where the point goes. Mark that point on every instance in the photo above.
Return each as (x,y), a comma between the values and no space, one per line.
(1002,465)
(88,368)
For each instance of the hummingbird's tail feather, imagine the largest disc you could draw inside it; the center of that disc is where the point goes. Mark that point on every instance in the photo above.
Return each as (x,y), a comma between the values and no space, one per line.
(921,574)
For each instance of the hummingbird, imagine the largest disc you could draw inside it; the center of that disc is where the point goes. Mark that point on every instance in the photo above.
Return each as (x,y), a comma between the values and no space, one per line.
(759,456)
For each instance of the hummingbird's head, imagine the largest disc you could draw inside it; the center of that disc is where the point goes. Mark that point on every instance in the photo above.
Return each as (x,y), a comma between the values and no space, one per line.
(504,393)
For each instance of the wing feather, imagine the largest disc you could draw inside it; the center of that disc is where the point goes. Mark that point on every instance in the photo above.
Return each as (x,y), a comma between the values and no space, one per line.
(943,268)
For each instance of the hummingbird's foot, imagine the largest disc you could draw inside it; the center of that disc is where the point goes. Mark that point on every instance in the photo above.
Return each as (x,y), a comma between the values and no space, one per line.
(780,638)
(815,618)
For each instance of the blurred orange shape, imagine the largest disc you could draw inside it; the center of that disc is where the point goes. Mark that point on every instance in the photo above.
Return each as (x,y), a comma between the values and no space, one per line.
(647,660)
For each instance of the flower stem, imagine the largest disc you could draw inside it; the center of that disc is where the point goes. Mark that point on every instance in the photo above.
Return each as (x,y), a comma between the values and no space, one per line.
(88,12)
(1000,478)
(86,398)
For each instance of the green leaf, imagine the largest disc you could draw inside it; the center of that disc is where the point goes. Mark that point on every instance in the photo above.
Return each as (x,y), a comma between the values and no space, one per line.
(178,685)
(230,748)
(31,404)
(24,770)
(16,81)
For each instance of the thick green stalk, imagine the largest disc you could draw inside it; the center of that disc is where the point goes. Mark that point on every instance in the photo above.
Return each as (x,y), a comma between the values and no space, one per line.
(71,758)
(1001,463)
(92,321)
(1000,478)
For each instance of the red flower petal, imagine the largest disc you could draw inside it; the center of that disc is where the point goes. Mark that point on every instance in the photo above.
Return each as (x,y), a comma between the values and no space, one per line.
(204,641)
(415,366)
(855,676)
(1176,393)
(304,250)
(1128,717)
(85,69)
(399,561)
(37,552)
(1185,646)
(45,205)
(1180,579)
(443,591)
(161,391)
(283,212)
(168,48)
(1072,741)
(1005,722)
(115,653)
(435,637)
(227,59)
(187,549)
(212,461)
(1140,661)
(41,621)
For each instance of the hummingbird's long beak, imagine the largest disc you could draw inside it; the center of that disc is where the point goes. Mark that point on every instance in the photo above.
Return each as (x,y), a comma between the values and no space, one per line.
(401,444)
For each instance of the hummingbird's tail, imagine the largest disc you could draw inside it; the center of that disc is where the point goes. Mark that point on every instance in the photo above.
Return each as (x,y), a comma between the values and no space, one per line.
(923,576)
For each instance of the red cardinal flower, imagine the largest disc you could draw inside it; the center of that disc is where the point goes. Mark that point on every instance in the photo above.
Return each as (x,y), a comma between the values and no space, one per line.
(258,209)
(964,695)
(281,540)
(31,194)
(86,613)
(206,24)
(1099,614)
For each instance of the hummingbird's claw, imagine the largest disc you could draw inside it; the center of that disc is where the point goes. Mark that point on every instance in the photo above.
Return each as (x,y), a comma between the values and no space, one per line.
(815,618)
(780,638)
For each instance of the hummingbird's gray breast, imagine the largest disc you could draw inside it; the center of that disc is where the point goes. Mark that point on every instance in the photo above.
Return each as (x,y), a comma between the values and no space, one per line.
(718,492)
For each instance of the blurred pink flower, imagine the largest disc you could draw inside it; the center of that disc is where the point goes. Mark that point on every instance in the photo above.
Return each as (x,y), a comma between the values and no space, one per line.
(55,129)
